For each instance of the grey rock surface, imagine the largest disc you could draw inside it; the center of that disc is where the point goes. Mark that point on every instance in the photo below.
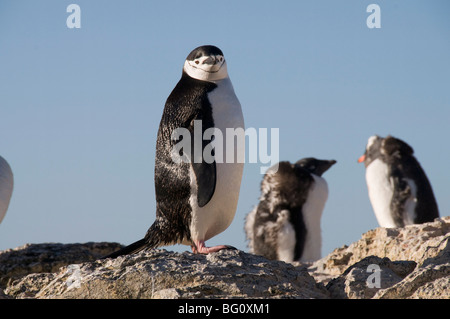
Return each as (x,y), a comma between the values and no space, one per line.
(361,281)
(162,274)
(409,262)
(48,258)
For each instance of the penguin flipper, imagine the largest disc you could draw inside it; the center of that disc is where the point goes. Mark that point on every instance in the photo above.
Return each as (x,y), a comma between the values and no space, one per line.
(402,192)
(296,219)
(192,112)
(205,174)
(205,171)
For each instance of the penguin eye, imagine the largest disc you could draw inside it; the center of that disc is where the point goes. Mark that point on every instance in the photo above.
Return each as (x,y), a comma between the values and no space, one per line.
(197,61)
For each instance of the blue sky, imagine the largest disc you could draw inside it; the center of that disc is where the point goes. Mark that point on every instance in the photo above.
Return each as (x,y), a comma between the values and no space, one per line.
(80,108)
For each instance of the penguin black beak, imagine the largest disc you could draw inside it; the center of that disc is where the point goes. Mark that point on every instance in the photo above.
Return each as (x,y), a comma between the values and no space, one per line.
(331,163)
(324,166)
(210,60)
(213,60)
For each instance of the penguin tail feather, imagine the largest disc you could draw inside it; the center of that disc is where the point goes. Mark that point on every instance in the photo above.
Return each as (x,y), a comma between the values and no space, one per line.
(154,238)
(133,248)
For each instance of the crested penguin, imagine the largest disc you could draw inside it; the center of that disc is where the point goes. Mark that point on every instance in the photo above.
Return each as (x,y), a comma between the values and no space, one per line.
(197,194)
(399,190)
(6,186)
(285,225)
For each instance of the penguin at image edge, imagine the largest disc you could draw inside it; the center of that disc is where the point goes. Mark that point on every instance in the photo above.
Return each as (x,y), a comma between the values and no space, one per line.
(6,186)
(196,199)
(285,225)
(399,190)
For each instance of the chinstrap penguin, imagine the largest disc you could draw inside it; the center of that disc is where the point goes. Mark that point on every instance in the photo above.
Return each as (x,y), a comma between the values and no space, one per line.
(285,225)
(6,186)
(196,199)
(399,190)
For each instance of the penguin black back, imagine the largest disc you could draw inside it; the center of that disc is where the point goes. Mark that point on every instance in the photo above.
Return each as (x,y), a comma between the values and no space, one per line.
(404,167)
(285,225)
(393,170)
(173,198)
(278,204)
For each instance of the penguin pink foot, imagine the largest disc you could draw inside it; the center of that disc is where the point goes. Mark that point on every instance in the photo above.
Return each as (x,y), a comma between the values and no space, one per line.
(200,248)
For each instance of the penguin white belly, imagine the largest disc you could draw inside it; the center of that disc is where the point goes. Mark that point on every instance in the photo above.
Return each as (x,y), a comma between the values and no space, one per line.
(380,192)
(312,214)
(218,213)
(6,186)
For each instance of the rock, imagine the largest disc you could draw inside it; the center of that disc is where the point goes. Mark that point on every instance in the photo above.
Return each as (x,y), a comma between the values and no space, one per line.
(431,280)
(48,257)
(414,242)
(365,278)
(161,274)
(395,251)
(2,295)
(409,262)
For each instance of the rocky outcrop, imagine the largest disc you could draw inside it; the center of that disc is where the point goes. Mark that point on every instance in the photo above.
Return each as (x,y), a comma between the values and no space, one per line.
(414,242)
(46,258)
(414,262)
(409,262)
(365,278)
(162,274)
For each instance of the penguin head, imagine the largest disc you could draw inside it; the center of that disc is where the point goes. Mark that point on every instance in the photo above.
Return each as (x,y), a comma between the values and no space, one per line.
(388,148)
(394,147)
(206,63)
(281,183)
(314,165)
(373,150)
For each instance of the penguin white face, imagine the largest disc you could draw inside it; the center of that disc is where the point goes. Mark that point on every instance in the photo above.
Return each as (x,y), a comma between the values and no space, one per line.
(372,141)
(373,150)
(206,63)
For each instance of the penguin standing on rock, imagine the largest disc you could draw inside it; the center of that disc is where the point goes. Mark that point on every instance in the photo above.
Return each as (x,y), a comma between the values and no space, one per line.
(196,195)
(399,190)
(286,223)
(6,186)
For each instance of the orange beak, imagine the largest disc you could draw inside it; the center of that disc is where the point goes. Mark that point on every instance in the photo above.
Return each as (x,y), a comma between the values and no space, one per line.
(361,159)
